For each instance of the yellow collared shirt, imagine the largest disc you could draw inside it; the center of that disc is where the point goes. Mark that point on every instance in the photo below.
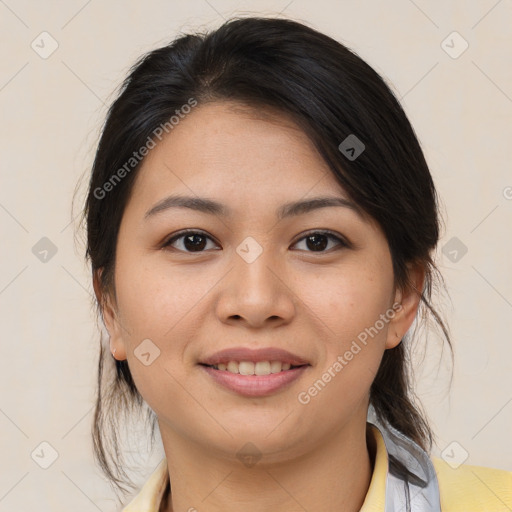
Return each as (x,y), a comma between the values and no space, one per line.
(465,489)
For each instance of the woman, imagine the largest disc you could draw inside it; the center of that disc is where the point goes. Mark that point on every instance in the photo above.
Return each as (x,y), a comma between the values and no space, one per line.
(260,223)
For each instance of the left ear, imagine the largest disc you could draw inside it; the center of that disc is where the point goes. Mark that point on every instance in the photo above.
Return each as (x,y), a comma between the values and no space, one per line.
(406,303)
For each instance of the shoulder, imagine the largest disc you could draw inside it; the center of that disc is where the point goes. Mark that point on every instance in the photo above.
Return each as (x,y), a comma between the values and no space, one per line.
(475,488)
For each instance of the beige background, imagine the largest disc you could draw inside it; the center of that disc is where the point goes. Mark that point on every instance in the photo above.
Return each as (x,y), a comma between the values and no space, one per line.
(51,111)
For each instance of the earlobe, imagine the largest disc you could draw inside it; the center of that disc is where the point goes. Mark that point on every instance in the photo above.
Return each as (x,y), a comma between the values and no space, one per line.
(109,318)
(408,298)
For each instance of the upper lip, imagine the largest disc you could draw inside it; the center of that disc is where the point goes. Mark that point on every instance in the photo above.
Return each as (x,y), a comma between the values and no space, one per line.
(254,355)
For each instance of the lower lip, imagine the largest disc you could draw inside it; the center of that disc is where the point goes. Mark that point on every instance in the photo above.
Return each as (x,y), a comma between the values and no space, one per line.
(255,385)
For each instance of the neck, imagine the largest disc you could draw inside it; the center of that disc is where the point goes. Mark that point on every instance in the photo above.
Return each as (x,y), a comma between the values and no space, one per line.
(331,477)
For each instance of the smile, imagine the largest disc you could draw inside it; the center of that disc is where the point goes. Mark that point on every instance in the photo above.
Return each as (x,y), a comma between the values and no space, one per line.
(254,372)
(252,368)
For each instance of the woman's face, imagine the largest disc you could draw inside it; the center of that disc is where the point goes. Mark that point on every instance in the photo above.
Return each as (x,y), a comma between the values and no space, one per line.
(253,281)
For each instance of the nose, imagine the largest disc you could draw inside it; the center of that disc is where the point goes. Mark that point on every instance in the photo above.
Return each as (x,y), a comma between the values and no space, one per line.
(256,294)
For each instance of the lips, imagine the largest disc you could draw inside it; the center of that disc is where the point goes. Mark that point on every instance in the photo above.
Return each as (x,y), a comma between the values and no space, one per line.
(241,354)
(254,372)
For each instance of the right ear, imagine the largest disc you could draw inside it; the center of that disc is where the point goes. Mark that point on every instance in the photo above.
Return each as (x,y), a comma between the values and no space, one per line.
(109,316)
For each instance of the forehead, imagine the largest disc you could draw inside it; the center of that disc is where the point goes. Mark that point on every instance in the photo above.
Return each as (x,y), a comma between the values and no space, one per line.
(238,152)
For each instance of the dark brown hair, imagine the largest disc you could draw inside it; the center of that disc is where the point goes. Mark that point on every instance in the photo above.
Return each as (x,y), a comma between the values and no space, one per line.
(330,93)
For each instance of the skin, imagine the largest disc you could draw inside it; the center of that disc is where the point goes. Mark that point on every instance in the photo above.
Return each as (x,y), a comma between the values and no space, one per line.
(312,303)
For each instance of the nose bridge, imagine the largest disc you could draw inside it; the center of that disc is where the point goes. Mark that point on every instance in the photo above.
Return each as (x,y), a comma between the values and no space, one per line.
(256,276)
(253,264)
(255,290)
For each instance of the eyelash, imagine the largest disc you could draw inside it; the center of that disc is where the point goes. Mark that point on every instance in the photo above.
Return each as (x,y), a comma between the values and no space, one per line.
(329,234)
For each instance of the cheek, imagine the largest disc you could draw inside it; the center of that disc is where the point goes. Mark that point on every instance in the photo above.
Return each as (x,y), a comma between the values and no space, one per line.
(351,299)
(351,307)
(157,300)
(162,305)
(351,303)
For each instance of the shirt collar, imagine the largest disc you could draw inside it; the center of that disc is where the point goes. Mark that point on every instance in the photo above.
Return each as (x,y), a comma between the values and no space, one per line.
(403,477)
(150,496)
(411,480)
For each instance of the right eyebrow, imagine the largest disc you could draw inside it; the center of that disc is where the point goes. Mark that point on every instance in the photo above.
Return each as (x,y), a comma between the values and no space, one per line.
(200,204)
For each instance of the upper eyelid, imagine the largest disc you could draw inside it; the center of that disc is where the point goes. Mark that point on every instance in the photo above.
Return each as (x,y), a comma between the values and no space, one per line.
(341,239)
(186,232)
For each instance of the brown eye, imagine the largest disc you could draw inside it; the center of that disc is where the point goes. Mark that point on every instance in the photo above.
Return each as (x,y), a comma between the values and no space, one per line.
(189,241)
(318,241)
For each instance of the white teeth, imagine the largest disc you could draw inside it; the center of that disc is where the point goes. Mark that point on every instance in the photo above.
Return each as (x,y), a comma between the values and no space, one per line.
(275,366)
(250,368)
(246,368)
(262,368)
(232,367)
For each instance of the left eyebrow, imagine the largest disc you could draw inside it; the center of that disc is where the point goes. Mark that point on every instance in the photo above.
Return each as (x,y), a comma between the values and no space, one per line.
(212,207)
(301,207)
